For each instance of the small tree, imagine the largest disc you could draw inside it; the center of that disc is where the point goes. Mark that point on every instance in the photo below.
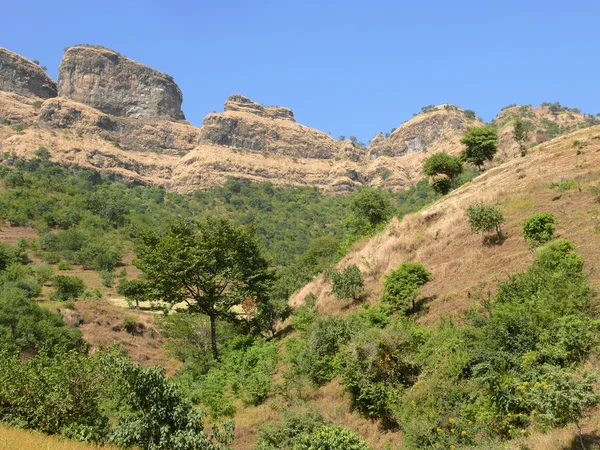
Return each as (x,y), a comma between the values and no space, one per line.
(402,286)
(133,290)
(539,229)
(67,288)
(329,437)
(348,284)
(481,145)
(211,265)
(485,219)
(371,205)
(444,165)
(521,134)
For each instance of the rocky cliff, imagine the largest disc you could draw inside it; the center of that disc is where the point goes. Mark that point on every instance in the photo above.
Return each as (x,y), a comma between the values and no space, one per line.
(23,77)
(248,125)
(116,85)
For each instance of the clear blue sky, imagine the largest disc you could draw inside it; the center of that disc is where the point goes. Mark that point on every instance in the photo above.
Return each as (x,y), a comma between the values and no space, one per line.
(345,67)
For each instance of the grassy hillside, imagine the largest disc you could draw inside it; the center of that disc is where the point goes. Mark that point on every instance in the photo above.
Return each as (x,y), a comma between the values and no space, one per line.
(13,439)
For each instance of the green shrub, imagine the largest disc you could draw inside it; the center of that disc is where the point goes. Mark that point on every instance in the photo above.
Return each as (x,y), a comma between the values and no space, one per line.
(63,265)
(108,278)
(67,288)
(485,219)
(297,420)
(539,229)
(348,284)
(303,318)
(402,286)
(330,437)
(130,324)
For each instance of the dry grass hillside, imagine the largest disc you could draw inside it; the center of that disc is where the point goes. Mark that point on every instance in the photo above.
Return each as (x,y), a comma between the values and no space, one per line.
(561,176)
(13,439)
(461,264)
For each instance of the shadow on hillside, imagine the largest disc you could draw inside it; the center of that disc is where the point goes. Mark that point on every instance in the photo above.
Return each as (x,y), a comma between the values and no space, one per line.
(590,442)
(493,239)
(421,304)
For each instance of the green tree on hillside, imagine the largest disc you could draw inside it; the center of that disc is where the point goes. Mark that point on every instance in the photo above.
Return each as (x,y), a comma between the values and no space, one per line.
(371,205)
(402,286)
(485,219)
(481,145)
(444,165)
(521,134)
(211,265)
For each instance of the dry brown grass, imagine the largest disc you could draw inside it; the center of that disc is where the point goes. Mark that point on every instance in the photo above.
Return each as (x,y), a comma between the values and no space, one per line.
(13,439)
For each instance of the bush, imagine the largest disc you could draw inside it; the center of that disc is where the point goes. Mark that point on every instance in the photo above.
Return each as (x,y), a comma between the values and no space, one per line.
(63,265)
(539,229)
(297,420)
(330,437)
(401,286)
(67,288)
(485,219)
(108,278)
(130,324)
(348,284)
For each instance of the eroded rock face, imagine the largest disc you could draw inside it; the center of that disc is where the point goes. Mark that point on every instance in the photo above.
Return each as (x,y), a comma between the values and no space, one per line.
(23,77)
(239,103)
(247,125)
(116,85)
(439,129)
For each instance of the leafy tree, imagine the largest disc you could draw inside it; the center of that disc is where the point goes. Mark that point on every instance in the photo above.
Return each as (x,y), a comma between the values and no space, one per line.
(485,219)
(210,265)
(470,114)
(449,167)
(297,420)
(67,288)
(521,134)
(371,205)
(481,145)
(539,228)
(27,327)
(57,393)
(133,290)
(329,437)
(156,415)
(348,284)
(402,286)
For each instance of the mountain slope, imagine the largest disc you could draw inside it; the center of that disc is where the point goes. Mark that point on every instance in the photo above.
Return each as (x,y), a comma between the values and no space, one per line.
(461,265)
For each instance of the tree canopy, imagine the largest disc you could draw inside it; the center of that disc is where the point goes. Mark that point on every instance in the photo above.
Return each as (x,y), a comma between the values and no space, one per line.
(481,145)
(209,265)
(449,167)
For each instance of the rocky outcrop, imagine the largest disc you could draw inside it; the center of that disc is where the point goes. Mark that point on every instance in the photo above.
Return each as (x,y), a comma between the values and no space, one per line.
(23,77)
(438,129)
(247,125)
(116,85)
(158,136)
(239,103)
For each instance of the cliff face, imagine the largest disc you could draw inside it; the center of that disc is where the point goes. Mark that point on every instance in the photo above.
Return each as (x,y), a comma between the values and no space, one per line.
(116,85)
(439,129)
(23,77)
(247,125)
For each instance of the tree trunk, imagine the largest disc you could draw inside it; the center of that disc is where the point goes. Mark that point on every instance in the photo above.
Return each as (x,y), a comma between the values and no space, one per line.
(213,337)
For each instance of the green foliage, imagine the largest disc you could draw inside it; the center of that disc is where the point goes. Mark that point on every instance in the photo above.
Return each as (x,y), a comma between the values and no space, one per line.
(470,114)
(564,185)
(445,168)
(298,420)
(314,357)
(539,228)
(371,205)
(303,318)
(67,288)
(481,145)
(155,415)
(347,284)
(27,327)
(330,438)
(130,324)
(521,134)
(55,393)
(211,265)
(108,278)
(485,219)
(402,286)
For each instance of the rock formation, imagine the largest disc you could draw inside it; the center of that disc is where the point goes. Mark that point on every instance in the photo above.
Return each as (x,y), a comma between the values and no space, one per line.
(438,129)
(116,85)
(248,125)
(23,77)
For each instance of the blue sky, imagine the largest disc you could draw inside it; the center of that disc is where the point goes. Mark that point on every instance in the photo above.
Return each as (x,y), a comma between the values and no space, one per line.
(345,67)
